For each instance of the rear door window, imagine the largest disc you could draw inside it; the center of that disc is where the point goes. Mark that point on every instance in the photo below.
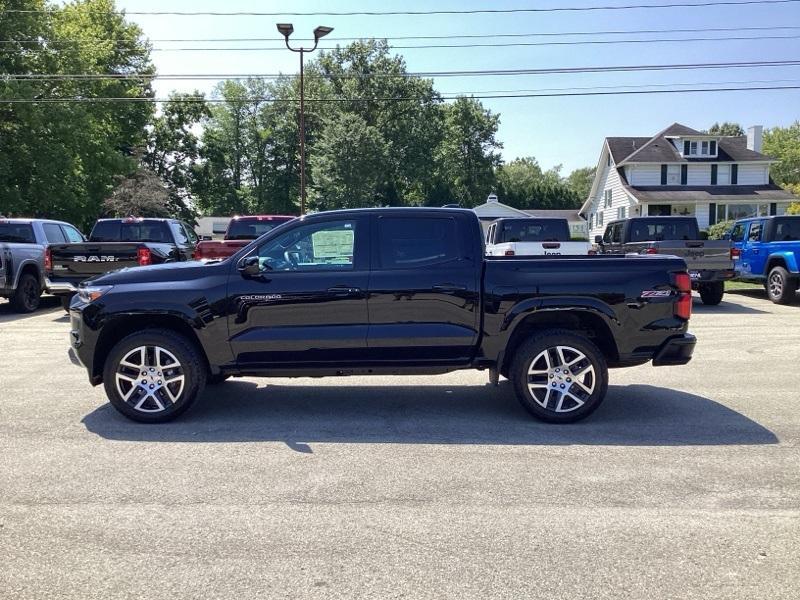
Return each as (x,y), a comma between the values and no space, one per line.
(72,234)
(53,233)
(180,235)
(17,233)
(754,235)
(668,229)
(787,230)
(405,243)
(616,233)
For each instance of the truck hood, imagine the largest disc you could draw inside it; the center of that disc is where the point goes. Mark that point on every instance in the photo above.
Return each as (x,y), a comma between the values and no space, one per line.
(179,271)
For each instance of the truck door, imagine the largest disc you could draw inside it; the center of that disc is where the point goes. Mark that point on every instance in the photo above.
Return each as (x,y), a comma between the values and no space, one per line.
(309,302)
(753,253)
(424,291)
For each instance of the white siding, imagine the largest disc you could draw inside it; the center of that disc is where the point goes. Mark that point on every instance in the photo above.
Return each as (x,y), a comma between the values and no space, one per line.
(644,175)
(699,175)
(753,174)
(609,179)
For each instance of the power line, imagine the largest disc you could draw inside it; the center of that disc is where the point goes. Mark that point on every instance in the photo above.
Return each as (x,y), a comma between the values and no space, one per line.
(480,96)
(421,37)
(484,11)
(424,74)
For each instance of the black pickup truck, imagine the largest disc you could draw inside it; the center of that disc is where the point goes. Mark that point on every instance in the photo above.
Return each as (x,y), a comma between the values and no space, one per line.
(115,244)
(380,291)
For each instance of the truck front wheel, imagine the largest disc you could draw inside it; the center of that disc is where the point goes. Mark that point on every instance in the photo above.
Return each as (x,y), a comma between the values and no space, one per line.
(781,287)
(559,376)
(154,375)
(712,293)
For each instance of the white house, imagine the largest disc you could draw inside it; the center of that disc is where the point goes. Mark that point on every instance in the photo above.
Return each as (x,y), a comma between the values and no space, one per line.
(680,171)
(493,209)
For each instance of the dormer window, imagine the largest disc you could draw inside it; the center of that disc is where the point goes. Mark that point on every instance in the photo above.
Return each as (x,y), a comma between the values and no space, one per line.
(700,148)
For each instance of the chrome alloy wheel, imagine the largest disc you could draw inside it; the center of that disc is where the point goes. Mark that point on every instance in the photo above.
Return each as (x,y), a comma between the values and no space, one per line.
(150,379)
(561,379)
(775,285)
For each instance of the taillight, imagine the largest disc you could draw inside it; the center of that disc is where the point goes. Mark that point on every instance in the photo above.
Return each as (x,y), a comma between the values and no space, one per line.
(651,251)
(736,253)
(144,256)
(48,260)
(509,253)
(683,306)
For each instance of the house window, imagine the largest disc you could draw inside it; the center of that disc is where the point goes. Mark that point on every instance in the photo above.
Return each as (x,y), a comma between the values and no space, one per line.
(607,198)
(693,148)
(684,174)
(686,148)
(609,159)
(713,151)
(713,174)
(731,212)
(621,212)
(704,148)
(591,221)
(600,219)
(663,174)
(734,174)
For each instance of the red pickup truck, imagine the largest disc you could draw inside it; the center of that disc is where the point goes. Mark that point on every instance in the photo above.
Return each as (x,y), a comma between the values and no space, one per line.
(241,231)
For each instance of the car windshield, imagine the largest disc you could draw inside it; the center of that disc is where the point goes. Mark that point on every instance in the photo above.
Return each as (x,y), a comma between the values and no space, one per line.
(787,230)
(17,233)
(645,231)
(250,229)
(535,230)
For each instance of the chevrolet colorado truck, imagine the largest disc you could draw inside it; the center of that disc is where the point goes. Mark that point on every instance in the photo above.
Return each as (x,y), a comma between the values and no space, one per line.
(240,232)
(767,250)
(533,236)
(114,244)
(710,261)
(22,264)
(380,291)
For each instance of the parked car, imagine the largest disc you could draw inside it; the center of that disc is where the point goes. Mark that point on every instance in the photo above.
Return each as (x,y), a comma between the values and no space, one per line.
(22,249)
(114,244)
(241,231)
(380,291)
(533,237)
(767,250)
(709,261)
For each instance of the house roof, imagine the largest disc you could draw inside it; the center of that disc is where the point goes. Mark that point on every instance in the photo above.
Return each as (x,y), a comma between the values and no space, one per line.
(703,193)
(678,130)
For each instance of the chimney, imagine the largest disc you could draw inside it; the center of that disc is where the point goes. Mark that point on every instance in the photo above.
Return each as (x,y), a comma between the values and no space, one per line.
(754,135)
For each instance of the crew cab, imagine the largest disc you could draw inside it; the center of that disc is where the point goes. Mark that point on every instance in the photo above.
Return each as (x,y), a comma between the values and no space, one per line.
(240,232)
(533,236)
(22,248)
(380,291)
(767,250)
(114,244)
(710,262)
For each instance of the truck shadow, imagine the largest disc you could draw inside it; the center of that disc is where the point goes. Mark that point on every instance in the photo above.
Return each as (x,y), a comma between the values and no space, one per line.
(240,411)
(728,306)
(48,304)
(760,294)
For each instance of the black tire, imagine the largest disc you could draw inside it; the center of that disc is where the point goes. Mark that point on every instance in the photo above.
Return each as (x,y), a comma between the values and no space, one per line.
(157,406)
(780,286)
(216,379)
(712,293)
(589,387)
(27,296)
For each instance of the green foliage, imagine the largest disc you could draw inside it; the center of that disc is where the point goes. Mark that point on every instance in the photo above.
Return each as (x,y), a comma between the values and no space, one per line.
(783,143)
(726,128)
(522,184)
(580,181)
(62,159)
(794,209)
(717,230)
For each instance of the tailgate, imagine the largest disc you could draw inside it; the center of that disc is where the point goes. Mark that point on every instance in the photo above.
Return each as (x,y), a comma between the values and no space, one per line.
(538,249)
(81,261)
(700,255)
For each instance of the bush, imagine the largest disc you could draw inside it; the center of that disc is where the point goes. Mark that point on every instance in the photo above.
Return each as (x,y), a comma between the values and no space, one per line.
(717,230)
(794,208)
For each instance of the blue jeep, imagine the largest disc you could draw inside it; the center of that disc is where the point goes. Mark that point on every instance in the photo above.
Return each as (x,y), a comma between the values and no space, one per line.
(767,250)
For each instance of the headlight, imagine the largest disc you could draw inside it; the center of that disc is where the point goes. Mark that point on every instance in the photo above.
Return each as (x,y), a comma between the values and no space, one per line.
(93,292)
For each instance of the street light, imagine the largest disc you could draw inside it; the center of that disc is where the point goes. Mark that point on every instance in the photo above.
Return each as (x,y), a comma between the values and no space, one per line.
(286,29)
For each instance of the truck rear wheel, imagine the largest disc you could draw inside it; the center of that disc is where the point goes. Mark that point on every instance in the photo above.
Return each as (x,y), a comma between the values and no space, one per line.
(781,287)
(712,293)
(559,376)
(28,294)
(154,375)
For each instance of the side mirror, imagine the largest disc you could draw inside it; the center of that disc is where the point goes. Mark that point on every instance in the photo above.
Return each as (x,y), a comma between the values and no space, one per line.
(598,239)
(726,236)
(249,267)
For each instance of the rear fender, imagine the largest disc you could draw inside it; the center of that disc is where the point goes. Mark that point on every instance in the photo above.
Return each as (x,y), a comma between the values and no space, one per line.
(786,259)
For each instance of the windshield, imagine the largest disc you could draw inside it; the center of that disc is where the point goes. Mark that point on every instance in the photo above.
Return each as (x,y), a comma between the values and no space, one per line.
(667,229)
(787,230)
(17,233)
(138,231)
(250,229)
(535,230)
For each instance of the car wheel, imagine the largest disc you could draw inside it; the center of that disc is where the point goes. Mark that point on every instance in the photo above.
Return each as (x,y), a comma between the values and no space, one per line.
(780,287)
(559,376)
(712,293)
(28,294)
(154,375)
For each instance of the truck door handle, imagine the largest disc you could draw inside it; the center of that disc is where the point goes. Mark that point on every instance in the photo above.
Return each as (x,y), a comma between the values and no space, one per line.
(343,290)
(449,288)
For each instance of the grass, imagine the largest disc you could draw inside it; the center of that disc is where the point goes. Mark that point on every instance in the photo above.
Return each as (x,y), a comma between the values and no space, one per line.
(742,285)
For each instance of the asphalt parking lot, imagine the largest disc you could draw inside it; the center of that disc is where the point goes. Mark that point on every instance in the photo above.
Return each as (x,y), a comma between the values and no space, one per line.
(684,484)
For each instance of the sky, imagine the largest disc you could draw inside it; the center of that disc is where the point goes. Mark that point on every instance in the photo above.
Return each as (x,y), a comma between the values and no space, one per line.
(567,131)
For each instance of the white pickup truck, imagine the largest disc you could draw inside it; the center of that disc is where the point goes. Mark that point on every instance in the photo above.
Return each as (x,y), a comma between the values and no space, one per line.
(533,236)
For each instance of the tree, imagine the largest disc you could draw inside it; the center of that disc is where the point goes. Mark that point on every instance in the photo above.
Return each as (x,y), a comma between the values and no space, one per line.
(522,184)
(726,128)
(349,164)
(141,194)
(61,159)
(783,143)
(794,209)
(719,229)
(580,181)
